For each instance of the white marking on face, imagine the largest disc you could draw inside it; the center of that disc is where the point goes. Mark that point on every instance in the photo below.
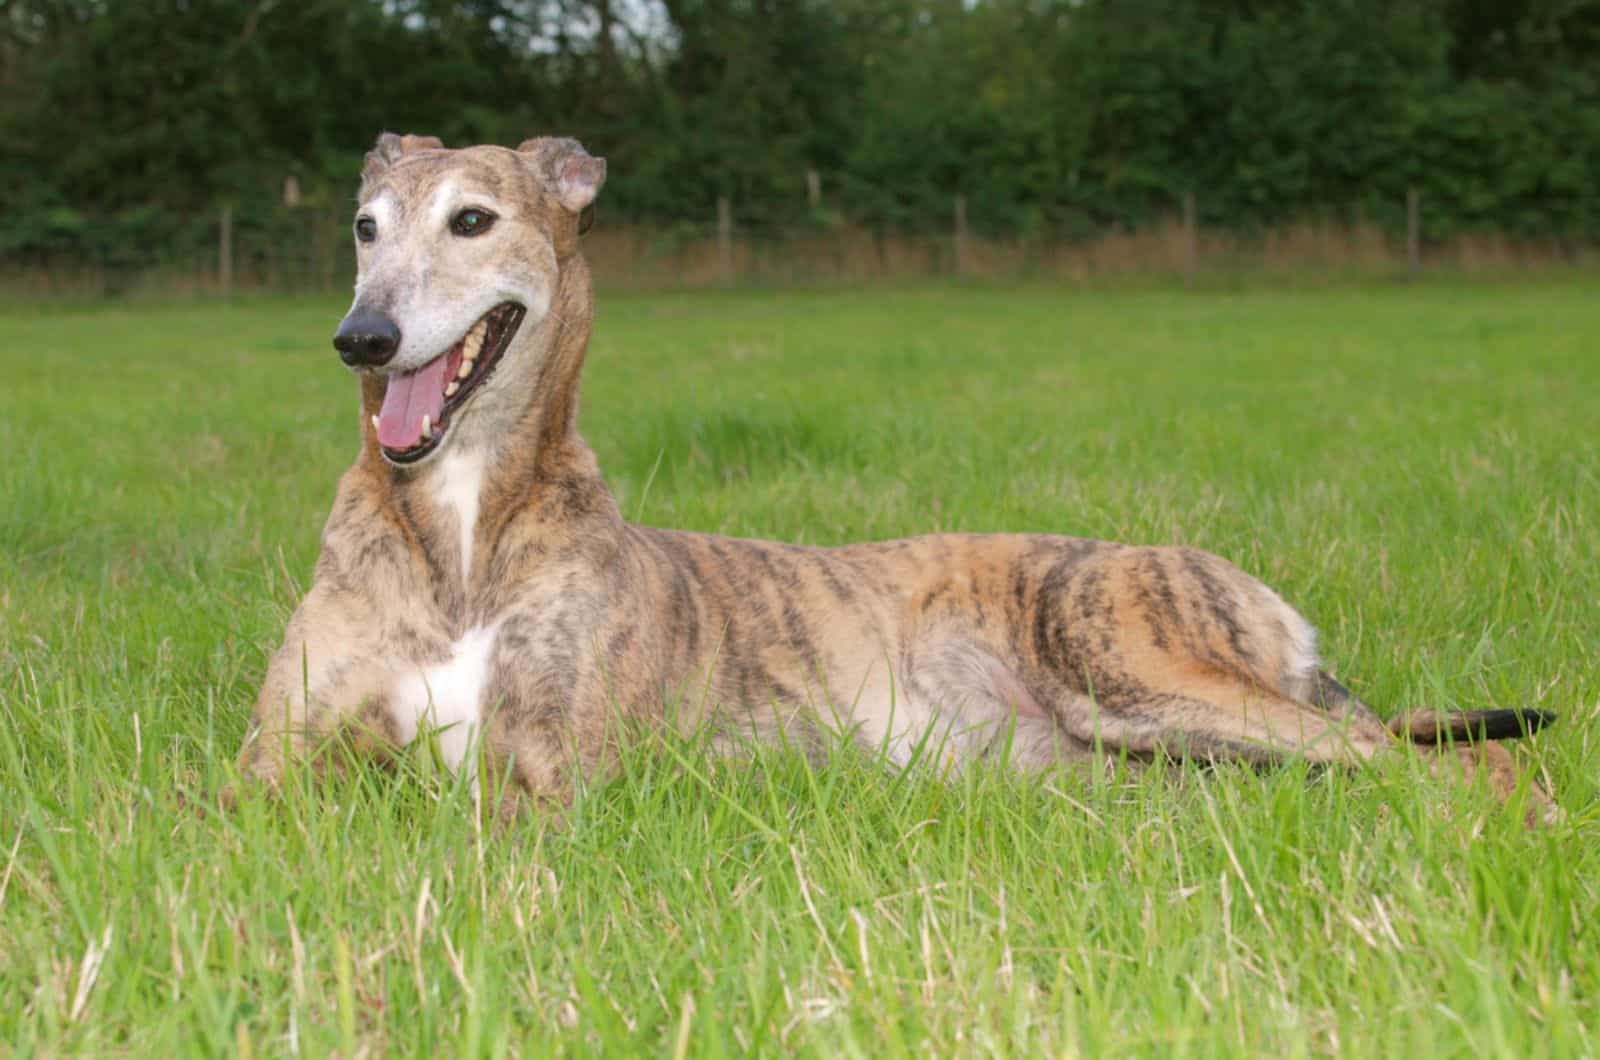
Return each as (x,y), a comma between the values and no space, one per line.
(458,482)
(443,204)
(385,211)
(447,697)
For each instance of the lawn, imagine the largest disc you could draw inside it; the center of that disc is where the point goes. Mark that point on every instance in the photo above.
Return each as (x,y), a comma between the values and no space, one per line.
(1416,467)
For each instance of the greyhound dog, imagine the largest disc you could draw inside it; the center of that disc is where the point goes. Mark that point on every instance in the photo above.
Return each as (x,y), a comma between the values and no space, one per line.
(477,581)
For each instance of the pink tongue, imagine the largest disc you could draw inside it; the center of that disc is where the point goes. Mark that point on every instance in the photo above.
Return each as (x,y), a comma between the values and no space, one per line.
(408,399)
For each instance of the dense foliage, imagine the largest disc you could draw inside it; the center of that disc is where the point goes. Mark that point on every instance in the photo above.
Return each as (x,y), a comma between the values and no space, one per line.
(124,124)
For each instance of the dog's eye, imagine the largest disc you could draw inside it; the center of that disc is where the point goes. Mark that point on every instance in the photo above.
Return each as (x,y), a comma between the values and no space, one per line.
(471,222)
(366,229)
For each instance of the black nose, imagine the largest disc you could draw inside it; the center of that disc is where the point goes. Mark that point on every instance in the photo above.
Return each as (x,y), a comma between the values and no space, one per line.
(366,337)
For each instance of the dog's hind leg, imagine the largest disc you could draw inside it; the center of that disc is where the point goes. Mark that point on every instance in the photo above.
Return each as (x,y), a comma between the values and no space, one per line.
(1493,762)
(1337,700)
(1214,716)
(1220,720)
(1464,737)
(1178,653)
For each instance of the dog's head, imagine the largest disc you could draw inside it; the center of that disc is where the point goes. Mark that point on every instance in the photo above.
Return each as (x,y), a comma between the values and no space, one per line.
(459,254)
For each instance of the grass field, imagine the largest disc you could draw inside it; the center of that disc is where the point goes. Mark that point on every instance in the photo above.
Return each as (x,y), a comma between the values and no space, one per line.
(1417,468)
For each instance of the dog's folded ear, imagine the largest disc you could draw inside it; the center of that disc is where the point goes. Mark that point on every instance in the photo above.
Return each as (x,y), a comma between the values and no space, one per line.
(387,151)
(573,174)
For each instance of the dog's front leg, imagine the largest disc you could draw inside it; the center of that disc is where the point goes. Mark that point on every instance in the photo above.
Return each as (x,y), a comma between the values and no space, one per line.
(528,771)
(546,728)
(325,676)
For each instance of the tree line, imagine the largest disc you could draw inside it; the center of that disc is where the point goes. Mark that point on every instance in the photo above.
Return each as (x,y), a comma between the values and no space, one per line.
(125,124)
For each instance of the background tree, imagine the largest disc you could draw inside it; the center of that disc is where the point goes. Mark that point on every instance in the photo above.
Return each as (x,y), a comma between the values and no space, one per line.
(125,124)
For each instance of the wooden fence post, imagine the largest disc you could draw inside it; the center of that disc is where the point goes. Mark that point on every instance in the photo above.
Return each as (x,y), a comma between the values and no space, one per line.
(1414,231)
(725,239)
(225,251)
(960,235)
(1191,239)
(813,189)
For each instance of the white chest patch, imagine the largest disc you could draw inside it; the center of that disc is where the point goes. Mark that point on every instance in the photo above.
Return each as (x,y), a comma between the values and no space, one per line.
(447,697)
(456,489)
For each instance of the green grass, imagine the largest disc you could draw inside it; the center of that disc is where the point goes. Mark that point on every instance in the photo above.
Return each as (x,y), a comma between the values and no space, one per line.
(1417,468)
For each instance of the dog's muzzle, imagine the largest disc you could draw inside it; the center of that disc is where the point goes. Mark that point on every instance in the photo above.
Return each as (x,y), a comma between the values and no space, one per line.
(366,338)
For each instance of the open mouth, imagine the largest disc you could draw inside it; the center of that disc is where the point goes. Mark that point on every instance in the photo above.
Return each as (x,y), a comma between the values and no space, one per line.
(417,406)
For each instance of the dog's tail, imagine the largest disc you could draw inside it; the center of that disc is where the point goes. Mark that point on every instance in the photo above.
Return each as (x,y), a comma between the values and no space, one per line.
(1430,727)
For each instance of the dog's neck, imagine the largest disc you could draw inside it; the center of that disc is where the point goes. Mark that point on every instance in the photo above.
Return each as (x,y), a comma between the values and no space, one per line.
(508,459)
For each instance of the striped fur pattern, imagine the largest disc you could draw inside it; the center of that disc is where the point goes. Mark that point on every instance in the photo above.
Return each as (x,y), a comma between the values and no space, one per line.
(494,592)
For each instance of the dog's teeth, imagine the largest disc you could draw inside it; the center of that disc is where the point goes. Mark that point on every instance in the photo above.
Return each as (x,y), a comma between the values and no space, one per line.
(450,391)
(465,369)
(427,427)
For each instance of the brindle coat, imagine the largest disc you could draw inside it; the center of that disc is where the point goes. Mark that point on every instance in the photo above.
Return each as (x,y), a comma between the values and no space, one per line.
(496,588)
